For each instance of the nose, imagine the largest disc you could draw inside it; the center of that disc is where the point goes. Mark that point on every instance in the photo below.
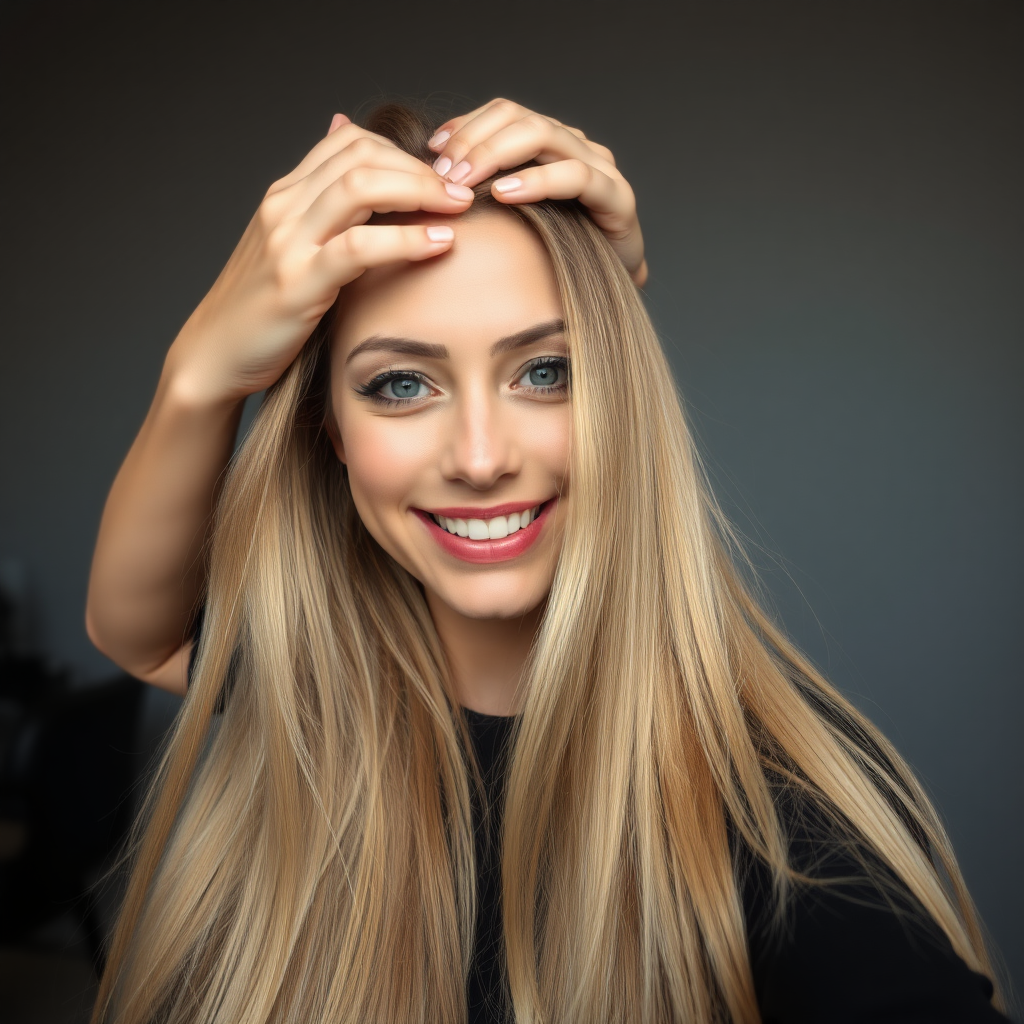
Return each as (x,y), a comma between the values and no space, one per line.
(482,444)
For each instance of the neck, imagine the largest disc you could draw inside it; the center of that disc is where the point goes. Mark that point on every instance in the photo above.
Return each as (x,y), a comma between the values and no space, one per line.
(486,656)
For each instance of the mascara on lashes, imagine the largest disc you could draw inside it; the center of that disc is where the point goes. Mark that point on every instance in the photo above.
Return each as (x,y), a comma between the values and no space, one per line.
(371,389)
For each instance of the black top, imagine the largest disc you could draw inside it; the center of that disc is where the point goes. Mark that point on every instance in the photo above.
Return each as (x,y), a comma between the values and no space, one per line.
(838,961)
(845,957)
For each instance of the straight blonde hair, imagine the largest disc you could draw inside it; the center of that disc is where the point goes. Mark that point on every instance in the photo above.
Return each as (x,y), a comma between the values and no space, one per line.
(308,855)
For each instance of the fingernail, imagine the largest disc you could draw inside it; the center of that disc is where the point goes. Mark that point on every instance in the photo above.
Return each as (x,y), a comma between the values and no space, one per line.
(441,165)
(336,122)
(458,172)
(459,192)
(439,139)
(440,234)
(507,184)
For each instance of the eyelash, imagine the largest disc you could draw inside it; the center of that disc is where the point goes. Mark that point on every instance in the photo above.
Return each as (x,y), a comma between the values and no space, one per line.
(371,389)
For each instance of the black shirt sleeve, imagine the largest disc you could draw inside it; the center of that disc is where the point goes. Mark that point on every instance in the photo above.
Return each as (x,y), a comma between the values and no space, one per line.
(846,955)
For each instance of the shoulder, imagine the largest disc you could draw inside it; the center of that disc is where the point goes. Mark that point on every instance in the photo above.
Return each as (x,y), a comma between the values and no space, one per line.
(860,948)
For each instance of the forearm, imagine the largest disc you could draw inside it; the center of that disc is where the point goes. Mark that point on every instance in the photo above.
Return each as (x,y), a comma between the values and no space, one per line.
(308,239)
(149,567)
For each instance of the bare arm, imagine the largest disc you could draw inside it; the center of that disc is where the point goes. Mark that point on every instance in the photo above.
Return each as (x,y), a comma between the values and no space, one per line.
(307,240)
(148,567)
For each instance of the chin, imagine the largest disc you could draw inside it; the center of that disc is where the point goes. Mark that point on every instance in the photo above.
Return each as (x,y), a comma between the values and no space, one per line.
(488,602)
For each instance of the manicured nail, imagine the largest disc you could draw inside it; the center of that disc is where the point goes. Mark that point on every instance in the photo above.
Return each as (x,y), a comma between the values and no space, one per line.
(336,122)
(507,184)
(441,165)
(439,139)
(440,234)
(459,192)
(458,172)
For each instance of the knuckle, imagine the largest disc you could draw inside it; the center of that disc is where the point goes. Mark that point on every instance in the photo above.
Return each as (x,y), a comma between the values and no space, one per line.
(362,147)
(512,110)
(537,123)
(276,243)
(455,145)
(353,243)
(483,149)
(268,215)
(580,168)
(332,166)
(282,272)
(356,180)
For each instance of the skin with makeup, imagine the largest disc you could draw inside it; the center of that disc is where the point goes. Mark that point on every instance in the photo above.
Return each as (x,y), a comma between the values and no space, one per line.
(681,736)
(449,385)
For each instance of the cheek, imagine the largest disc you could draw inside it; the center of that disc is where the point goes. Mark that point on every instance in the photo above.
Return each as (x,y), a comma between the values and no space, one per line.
(386,459)
(547,440)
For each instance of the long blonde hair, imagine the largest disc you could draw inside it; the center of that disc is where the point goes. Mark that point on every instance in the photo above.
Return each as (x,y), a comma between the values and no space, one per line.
(308,854)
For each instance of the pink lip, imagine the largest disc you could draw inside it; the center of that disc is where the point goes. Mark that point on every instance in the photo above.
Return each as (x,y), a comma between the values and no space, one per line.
(466,512)
(483,551)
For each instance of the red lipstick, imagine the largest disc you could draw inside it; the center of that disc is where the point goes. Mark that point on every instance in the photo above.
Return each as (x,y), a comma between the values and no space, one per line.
(483,551)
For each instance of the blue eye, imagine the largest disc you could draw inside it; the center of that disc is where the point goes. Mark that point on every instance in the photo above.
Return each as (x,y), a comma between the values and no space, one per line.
(402,387)
(548,374)
(541,375)
(395,387)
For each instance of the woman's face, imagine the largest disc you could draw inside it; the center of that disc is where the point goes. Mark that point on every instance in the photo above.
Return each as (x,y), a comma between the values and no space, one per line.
(449,389)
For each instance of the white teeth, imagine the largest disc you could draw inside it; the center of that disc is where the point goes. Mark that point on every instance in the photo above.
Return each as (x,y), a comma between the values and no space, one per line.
(489,529)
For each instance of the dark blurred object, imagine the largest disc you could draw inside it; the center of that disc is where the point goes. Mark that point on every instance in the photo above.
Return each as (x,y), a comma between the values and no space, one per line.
(67,766)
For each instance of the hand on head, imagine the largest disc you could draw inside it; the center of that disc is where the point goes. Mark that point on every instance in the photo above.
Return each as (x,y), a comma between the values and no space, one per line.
(308,239)
(502,134)
(311,234)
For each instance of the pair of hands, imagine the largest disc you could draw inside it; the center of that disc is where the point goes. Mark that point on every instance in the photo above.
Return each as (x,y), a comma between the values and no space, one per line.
(309,237)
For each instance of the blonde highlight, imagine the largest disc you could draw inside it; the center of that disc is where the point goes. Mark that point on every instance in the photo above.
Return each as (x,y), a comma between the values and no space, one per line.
(308,854)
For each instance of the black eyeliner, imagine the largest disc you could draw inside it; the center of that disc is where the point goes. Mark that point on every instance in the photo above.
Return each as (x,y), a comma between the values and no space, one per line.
(562,362)
(371,389)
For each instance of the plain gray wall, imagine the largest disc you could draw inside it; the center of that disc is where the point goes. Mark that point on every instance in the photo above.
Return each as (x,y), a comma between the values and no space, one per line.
(831,195)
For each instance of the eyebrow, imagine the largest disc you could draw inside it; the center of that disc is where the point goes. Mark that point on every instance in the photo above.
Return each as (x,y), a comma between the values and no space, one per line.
(412,347)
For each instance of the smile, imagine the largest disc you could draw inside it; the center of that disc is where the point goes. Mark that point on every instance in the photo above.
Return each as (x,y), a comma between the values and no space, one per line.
(493,535)
(488,529)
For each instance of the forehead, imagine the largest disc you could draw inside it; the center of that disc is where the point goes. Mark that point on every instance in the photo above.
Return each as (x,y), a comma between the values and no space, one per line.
(495,280)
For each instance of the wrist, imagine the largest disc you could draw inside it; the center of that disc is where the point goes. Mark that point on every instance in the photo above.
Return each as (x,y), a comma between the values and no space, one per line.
(191,383)
(190,391)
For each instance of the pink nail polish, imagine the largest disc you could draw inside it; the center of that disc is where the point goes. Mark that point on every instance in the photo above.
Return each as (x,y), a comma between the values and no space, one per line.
(459,192)
(507,184)
(439,139)
(458,172)
(441,165)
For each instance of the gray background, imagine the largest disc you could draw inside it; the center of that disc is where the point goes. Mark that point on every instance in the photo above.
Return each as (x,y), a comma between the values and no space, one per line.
(831,194)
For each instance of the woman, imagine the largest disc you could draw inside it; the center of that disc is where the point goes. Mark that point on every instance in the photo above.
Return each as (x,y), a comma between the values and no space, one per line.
(502,725)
